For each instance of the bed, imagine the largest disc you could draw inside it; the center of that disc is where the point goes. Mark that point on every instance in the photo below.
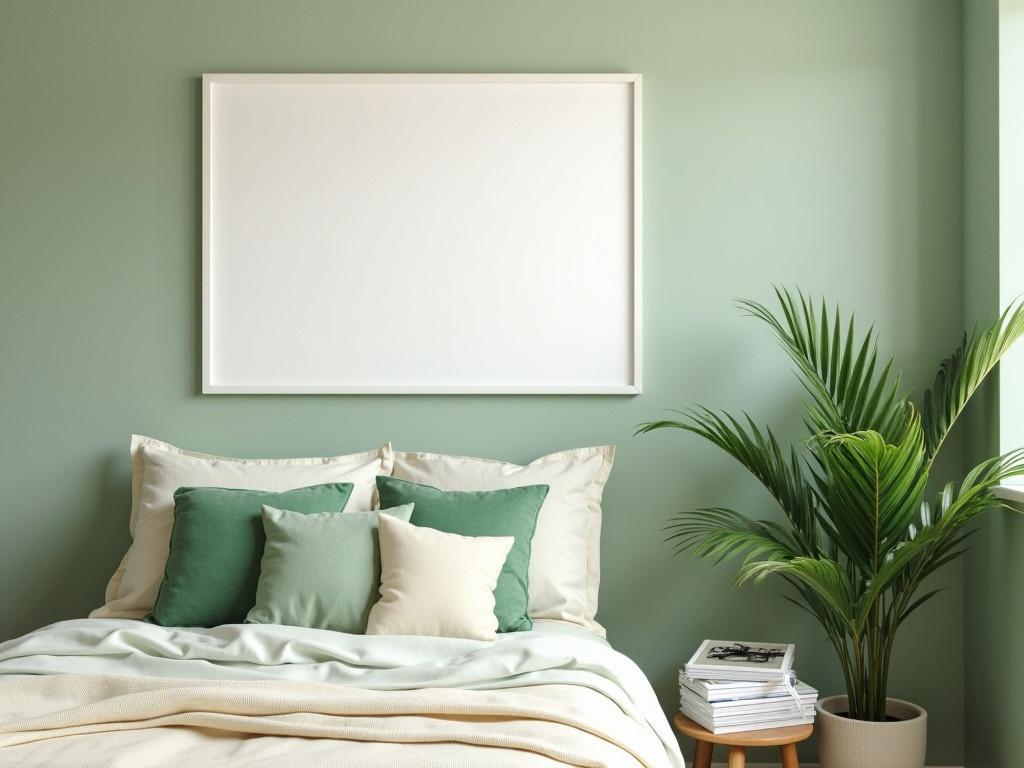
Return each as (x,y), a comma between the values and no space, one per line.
(380,608)
(122,692)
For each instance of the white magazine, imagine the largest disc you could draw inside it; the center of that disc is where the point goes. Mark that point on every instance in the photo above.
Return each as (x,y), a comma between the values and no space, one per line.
(747,707)
(807,718)
(735,660)
(713,691)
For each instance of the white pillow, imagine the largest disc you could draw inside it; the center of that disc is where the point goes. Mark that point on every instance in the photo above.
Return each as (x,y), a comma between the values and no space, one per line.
(565,564)
(435,583)
(159,469)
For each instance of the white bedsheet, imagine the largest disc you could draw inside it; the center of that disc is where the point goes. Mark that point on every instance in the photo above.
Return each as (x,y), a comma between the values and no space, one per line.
(552,657)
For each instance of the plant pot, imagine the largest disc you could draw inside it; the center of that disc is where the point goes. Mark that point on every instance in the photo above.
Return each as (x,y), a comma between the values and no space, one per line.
(846,743)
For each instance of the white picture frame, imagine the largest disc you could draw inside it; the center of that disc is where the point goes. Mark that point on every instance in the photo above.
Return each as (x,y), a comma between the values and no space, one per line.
(422,233)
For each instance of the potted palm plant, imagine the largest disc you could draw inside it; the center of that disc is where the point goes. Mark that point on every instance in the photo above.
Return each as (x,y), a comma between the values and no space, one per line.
(858,536)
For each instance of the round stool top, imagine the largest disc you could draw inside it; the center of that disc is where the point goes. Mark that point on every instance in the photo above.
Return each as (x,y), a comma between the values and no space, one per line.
(765,737)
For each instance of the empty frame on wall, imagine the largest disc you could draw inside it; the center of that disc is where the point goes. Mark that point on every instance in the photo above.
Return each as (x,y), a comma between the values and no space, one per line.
(421,233)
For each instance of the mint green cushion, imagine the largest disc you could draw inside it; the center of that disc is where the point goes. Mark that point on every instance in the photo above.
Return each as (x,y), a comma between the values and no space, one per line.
(508,512)
(214,562)
(320,570)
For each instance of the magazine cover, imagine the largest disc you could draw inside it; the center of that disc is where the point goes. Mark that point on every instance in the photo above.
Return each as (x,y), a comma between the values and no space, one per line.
(773,659)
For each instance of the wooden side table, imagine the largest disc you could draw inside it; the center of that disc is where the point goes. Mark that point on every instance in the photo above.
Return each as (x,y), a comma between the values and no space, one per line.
(784,738)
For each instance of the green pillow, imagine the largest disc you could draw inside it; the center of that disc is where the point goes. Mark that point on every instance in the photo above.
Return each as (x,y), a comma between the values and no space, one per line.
(508,512)
(320,570)
(216,544)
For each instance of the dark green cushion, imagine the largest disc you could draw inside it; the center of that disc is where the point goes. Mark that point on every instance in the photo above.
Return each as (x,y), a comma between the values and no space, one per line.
(214,562)
(508,512)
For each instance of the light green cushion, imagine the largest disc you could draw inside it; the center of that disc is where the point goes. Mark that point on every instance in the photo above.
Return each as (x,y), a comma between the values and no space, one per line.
(214,562)
(320,570)
(507,512)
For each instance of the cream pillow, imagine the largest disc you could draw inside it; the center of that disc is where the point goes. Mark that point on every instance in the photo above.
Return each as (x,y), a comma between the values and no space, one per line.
(565,564)
(435,583)
(159,469)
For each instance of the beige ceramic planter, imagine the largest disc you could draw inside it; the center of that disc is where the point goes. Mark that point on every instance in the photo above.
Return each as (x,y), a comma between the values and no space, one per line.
(846,743)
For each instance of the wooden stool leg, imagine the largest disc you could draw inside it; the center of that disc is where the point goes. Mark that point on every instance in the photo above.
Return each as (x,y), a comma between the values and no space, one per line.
(702,754)
(789,758)
(737,757)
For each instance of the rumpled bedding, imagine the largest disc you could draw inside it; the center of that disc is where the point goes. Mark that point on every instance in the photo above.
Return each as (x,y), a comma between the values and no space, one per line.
(113,692)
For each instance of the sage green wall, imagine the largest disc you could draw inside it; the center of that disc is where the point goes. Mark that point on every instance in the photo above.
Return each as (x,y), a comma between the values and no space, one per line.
(985,697)
(803,142)
(994,625)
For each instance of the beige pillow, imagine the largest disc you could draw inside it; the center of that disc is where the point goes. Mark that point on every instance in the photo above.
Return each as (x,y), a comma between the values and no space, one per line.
(435,583)
(565,564)
(159,469)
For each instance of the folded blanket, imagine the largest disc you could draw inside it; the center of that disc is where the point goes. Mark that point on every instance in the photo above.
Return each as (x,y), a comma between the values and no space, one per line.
(573,725)
(113,692)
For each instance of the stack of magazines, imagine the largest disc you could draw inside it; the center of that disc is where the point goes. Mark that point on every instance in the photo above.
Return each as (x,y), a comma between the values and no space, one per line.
(730,686)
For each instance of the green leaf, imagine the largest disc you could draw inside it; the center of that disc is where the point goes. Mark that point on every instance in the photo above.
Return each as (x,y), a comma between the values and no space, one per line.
(757,449)
(720,534)
(822,576)
(849,392)
(874,490)
(963,372)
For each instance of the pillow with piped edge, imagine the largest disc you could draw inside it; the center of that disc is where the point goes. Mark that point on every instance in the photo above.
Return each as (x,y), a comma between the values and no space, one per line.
(159,469)
(565,561)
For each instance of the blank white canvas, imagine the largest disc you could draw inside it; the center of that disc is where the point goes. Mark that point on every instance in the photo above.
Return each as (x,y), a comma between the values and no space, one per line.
(421,233)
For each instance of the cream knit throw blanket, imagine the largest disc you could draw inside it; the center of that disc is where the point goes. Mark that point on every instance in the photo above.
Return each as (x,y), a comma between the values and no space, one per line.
(568,725)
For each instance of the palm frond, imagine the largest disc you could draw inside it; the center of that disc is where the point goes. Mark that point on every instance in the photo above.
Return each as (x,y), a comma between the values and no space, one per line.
(944,524)
(720,533)
(959,503)
(851,391)
(941,529)
(873,488)
(892,572)
(826,578)
(757,449)
(963,372)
